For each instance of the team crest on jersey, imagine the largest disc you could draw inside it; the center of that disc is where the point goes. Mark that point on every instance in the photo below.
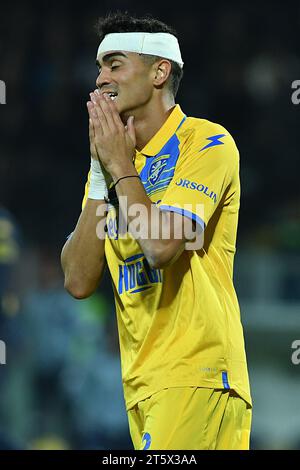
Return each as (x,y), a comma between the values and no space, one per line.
(156,169)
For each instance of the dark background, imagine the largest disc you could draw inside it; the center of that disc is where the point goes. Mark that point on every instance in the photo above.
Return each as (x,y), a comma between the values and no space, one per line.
(240,61)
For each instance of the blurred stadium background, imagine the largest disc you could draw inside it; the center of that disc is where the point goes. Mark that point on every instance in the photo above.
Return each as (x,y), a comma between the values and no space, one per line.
(61,385)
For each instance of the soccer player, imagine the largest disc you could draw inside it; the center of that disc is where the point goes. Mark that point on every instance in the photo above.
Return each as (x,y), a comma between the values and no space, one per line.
(183,359)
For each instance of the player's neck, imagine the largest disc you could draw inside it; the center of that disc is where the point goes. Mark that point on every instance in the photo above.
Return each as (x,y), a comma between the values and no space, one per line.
(151,120)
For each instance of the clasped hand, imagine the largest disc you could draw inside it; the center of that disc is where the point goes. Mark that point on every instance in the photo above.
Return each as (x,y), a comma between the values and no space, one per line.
(114,142)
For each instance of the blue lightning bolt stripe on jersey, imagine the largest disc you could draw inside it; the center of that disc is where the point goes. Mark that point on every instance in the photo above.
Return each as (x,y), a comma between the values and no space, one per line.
(215,140)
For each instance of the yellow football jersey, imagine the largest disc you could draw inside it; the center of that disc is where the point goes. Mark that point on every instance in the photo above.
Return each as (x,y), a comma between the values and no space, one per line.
(180,326)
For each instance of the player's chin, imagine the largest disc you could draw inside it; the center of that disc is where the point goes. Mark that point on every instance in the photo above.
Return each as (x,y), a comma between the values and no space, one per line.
(125,110)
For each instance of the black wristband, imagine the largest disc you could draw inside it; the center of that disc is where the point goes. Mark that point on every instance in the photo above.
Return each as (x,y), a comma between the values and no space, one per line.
(112,195)
(122,177)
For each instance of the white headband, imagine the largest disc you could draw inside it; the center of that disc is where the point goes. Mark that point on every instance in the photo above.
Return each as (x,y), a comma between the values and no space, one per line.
(160,44)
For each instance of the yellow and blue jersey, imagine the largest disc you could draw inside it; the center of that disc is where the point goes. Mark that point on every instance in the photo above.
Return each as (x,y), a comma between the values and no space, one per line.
(180,326)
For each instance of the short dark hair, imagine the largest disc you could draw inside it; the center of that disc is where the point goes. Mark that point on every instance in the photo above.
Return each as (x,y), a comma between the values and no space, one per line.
(123,22)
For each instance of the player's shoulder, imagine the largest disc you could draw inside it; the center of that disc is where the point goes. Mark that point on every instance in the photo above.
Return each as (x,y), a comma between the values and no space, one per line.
(205,134)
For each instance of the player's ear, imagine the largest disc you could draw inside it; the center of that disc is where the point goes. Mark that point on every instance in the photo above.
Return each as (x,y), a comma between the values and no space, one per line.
(162,72)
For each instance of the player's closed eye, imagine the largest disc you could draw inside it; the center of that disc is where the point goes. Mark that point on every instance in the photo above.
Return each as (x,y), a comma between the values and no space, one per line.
(114,66)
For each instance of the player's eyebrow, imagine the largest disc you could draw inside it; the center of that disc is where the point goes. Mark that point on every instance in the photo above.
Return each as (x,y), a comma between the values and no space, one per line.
(106,57)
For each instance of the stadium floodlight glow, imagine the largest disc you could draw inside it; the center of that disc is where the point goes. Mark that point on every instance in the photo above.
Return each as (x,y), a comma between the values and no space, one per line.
(2,92)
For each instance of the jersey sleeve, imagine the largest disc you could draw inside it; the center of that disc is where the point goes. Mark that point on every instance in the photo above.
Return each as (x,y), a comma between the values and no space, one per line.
(202,175)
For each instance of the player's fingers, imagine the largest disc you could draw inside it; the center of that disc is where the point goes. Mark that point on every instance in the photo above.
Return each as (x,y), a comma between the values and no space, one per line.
(104,104)
(114,113)
(131,130)
(92,136)
(91,131)
(94,118)
(100,113)
(93,149)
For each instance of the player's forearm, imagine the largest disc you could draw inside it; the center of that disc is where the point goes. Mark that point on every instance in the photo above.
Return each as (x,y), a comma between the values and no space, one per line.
(159,247)
(83,258)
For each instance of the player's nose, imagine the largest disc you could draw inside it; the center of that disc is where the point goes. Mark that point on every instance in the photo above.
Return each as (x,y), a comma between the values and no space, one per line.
(103,79)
